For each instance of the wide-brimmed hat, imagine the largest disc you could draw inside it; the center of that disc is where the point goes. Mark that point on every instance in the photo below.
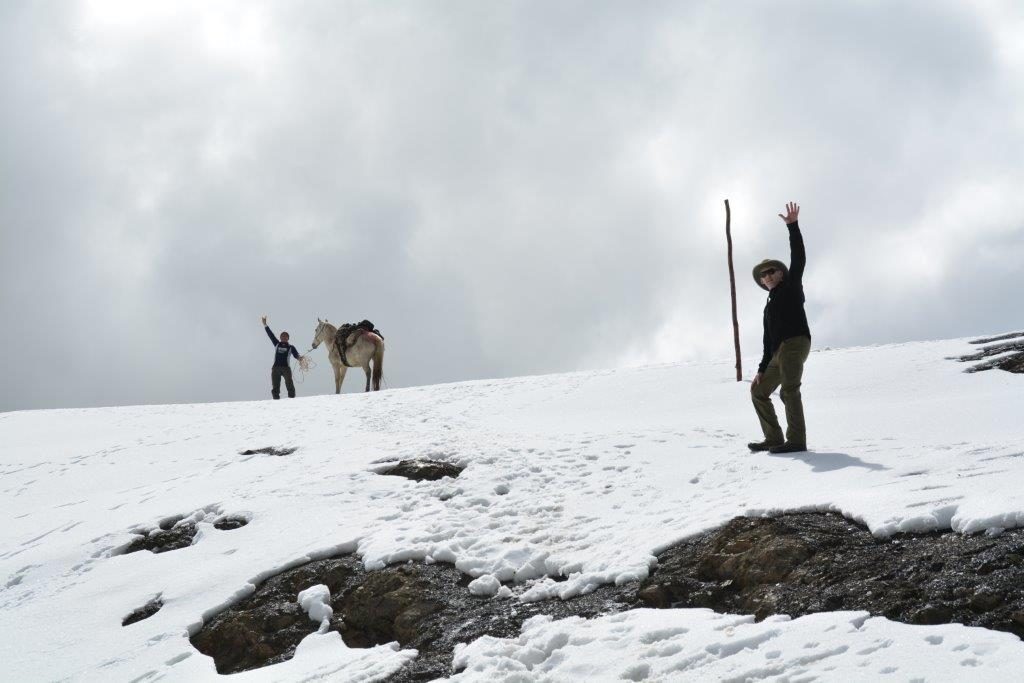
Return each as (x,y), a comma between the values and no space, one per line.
(766,264)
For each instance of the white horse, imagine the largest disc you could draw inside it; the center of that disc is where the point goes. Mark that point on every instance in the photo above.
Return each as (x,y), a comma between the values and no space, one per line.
(360,348)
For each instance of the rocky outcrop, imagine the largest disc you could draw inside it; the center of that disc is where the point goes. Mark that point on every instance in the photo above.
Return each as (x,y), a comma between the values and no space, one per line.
(230,522)
(802,563)
(423,606)
(163,540)
(392,606)
(1005,352)
(269,450)
(144,612)
(265,627)
(424,470)
(792,564)
(179,531)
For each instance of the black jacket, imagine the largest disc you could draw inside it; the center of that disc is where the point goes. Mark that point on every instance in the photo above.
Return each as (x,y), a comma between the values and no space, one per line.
(281,350)
(784,315)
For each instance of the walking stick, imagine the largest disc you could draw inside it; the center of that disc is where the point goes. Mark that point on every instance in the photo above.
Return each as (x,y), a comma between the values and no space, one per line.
(732,287)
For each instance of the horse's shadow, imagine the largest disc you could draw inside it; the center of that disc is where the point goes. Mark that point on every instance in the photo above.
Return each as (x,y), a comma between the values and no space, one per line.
(828,462)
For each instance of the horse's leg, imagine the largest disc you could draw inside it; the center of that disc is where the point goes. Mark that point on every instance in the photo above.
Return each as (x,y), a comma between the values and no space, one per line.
(339,377)
(378,365)
(366,369)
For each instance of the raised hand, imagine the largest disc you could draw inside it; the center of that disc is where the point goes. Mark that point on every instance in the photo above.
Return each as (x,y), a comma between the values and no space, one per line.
(792,213)
(264,319)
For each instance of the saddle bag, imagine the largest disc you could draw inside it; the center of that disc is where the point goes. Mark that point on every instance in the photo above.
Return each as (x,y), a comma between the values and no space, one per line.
(340,339)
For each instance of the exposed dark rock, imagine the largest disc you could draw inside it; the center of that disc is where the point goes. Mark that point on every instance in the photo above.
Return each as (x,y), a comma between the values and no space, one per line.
(802,563)
(1005,352)
(930,615)
(229,523)
(162,540)
(439,612)
(1013,363)
(144,612)
(168,522)
(1002,337)
(426,607)
(174,533)
(792,564)
(265,627)
(389,605)
(270,450)
(424,470)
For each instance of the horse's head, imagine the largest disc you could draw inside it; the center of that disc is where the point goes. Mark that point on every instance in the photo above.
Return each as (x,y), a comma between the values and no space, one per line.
(320,333)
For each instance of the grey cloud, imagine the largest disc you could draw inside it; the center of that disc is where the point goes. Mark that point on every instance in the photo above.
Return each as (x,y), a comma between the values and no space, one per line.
(504,188)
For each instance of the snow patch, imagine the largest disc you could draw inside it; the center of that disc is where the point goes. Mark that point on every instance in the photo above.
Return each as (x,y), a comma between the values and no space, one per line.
(485,585)
(316,601)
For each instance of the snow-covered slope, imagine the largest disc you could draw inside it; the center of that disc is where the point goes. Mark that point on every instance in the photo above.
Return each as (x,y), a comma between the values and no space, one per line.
(585,474)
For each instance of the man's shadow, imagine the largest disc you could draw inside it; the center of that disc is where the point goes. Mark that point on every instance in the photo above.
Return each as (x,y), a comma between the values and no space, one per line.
(828,462)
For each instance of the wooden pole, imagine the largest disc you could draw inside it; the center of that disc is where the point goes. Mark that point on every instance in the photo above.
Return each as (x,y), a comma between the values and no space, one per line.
(732,287)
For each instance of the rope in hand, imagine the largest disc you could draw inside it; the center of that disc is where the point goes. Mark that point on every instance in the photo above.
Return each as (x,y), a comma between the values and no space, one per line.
(305,364)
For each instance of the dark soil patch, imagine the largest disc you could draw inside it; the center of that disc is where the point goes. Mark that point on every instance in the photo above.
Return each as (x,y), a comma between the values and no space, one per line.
(424,470)
(803,563)
(144,612)
(163,540)
(1005,352)
(270,450)
(174,533)
(426,607)
(229,523)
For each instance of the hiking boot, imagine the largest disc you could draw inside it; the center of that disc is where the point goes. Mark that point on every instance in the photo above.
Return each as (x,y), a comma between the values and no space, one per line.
(762,445)
(788,447)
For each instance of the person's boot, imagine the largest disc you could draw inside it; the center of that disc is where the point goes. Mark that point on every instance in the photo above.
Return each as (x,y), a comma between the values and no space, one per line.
(788,447)
(756,446)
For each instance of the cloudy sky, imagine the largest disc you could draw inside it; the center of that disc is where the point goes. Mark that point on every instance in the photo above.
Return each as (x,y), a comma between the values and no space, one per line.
(505,188)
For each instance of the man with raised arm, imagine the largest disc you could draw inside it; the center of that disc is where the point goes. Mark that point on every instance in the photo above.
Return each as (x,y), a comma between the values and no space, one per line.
(281,367)
(787,343)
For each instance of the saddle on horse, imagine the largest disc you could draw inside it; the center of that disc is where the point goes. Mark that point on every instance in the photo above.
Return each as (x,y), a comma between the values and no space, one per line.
(347,330)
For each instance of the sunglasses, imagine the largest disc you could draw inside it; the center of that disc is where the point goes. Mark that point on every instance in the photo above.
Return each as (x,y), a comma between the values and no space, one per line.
(768,271)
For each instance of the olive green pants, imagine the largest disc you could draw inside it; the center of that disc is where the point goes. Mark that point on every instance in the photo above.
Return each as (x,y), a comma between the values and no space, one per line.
(786,369)
(276,373)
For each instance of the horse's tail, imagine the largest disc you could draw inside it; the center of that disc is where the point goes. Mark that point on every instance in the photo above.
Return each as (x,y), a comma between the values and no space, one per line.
(378,365)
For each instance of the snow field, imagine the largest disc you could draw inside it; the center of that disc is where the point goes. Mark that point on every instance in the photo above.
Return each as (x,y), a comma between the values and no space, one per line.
(586,475)
(699,645)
